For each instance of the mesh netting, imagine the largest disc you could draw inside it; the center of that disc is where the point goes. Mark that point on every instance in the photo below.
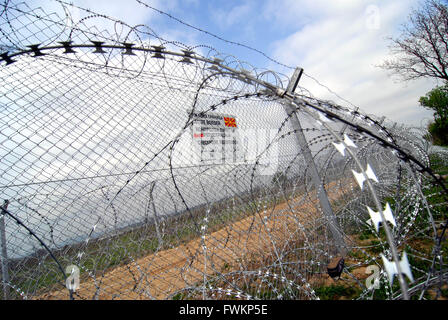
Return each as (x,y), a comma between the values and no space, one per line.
(138,168)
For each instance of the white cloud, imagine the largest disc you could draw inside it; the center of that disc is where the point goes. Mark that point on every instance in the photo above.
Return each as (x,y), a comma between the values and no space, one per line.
(339,47)
(297,13)
(336,42)
(130,11)
(235,15)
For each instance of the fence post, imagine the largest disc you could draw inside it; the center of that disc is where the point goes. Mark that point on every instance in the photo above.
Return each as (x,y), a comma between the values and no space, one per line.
(317,180)
(156,218)
(346,125)
(4,253)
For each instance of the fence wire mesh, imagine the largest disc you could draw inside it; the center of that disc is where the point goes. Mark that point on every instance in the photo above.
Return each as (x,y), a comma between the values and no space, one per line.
(134,167)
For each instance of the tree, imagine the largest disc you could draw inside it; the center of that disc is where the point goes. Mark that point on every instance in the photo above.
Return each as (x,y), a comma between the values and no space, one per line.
(421,51)
(437,100)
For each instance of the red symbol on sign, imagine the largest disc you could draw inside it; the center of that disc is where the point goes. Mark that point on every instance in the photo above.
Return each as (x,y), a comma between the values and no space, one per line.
(196,135)
(230,122)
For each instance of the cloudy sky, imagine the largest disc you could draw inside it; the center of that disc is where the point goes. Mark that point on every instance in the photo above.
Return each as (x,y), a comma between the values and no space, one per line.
(339,43)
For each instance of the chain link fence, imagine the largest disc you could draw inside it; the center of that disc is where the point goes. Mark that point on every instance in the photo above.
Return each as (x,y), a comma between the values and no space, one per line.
(134,167)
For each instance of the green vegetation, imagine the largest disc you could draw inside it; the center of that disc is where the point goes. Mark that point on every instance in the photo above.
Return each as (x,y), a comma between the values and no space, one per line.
(438,164)
(179,296)
(439,133)
(421,241)
(444,293)
(336,292)
(437,100)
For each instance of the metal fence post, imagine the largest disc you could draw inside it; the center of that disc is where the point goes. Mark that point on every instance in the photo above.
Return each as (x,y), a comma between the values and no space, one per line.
(346,125)
(317,180)
(156,218)
(4,253)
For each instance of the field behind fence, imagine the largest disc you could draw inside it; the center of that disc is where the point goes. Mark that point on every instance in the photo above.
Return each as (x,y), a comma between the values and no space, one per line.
(133,167)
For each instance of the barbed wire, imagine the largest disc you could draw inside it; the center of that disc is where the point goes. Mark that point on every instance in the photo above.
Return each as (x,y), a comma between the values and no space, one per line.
(158,172)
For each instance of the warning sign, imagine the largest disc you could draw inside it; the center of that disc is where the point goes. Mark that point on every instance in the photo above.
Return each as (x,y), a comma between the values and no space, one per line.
(216,138)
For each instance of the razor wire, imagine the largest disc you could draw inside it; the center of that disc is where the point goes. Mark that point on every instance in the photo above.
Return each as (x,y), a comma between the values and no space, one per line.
(134,167)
